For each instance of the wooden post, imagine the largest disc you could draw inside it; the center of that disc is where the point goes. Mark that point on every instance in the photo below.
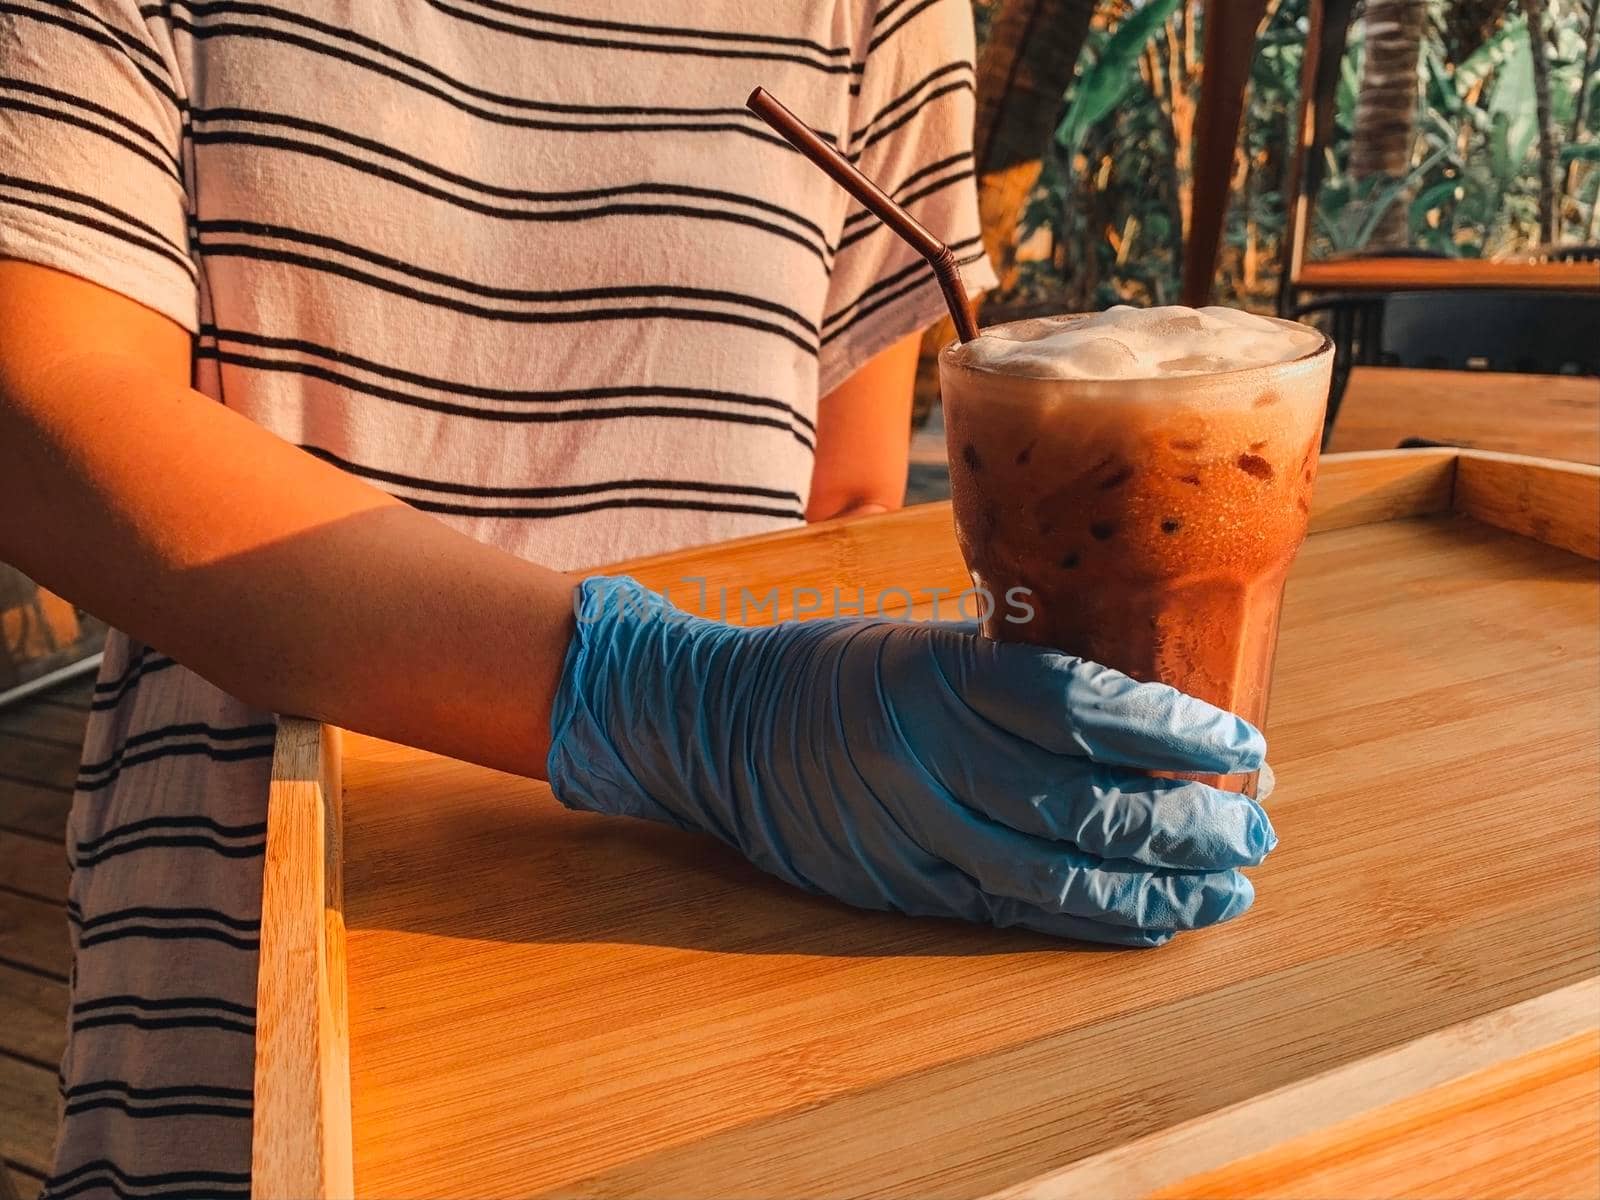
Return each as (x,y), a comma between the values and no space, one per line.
(302,1134)
(1230,41)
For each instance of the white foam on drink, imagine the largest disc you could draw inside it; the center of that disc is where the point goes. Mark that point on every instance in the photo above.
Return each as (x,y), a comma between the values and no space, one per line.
(1139,343)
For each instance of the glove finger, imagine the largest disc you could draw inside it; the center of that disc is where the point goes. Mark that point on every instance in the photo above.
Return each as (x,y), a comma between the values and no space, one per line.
(1110,812)
(1116,814)
(1008,913)
(1059,878)
(1266,783)
(943,891)
(1070,706)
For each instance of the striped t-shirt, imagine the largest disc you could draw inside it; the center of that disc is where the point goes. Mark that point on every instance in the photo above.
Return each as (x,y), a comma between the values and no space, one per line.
(531,267)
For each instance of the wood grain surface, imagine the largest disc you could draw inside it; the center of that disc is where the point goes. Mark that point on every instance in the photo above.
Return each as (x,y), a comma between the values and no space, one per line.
(33,867)
(544,1002)
(301,1134)
(1421,274)
(1524,1129)
(27,1116)
(1551,416)
(1555,504)
(1351,1118)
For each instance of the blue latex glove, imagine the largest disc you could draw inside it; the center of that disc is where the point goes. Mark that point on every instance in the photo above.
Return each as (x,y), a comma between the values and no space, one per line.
(915,767)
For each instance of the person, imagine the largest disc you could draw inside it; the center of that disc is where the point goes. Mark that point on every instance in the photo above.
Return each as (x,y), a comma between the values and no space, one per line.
(328,342)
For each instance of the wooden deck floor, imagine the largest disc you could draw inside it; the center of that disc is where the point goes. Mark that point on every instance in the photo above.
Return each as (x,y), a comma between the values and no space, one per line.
(39,741)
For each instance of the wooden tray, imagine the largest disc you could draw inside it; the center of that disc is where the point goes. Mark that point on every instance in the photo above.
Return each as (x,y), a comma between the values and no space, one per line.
(549,1003)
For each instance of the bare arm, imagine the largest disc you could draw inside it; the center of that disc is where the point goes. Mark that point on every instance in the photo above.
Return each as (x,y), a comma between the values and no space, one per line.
(864,437)
(279,578)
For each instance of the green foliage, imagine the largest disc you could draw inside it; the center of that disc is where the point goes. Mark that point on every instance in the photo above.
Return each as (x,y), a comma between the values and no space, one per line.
(1104,224)
(1114,71)
(1473,177)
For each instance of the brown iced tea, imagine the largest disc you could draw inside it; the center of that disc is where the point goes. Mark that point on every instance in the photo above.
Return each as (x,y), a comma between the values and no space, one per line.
(1149,519)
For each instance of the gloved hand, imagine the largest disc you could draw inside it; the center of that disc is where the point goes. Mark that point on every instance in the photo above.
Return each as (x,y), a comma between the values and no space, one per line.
(915,767)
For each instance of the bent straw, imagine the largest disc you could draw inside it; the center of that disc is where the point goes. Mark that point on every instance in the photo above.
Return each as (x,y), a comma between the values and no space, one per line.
(876,201)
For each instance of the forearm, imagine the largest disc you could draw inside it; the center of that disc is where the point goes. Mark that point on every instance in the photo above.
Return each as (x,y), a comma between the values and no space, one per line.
(863,438)
(282,580)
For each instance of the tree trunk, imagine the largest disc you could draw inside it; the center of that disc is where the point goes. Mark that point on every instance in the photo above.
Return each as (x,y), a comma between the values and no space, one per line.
(1163,86)
(1386,109)
(1539,46)
(1581,109)
(1023,71)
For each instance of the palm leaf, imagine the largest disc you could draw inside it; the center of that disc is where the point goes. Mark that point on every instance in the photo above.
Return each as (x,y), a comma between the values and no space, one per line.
(1105,83)
(1482,62)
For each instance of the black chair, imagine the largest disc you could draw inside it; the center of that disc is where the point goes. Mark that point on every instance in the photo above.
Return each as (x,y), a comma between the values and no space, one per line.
(1354,324)
(1534,332)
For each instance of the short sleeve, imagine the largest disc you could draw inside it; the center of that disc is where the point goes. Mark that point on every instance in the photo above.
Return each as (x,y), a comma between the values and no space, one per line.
(911,132)
(91,176)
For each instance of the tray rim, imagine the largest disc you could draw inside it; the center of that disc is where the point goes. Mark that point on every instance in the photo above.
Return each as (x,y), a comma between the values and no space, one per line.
(302,1134)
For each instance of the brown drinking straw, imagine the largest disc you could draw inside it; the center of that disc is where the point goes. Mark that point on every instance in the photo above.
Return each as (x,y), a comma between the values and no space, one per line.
(876,201)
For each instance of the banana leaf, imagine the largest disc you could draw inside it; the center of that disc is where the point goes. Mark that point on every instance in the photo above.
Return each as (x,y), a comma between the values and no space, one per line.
(1107,81)
(1487,57)
(1429,199)
(1513,99)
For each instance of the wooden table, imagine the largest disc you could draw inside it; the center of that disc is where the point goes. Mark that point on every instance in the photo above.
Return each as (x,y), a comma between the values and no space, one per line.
(503,998)
(1423,274)
(1552,416)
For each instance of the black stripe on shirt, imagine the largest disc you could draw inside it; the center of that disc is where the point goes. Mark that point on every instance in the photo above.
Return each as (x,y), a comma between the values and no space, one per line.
(101,1172)
(209,230)
(225,733)
(187,1091)
(653,502)
(256,830)
(130,43)
(178,924)
(911,114)
(629,391)
(421,66)
(860,216)
(867,229)
(885,12)
(133,138)
(180,750)
(146,912)
(720,35)
(880,36)
(739,122)
(145,665)
(168,933)
(912,274)
(191,1100)
(99,34)
(831,323)
(548,492)
(468,308)
(643,187)
(172,1012)
(817,246)
(830,68)
(175,841)
(518,416)
(95,776)
(188,1024)
(162,246)
(107,686)
(172,249)
(905,97)
(164,1004)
